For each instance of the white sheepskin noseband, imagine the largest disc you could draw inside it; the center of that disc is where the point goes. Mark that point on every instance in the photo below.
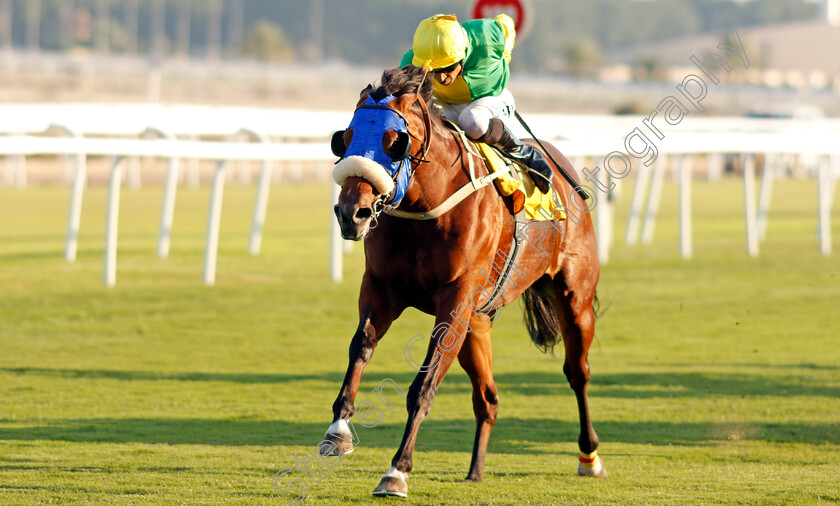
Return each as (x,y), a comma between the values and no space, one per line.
(366,169)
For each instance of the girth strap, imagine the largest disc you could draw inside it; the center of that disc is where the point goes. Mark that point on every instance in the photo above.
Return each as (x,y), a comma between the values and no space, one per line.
(513,255)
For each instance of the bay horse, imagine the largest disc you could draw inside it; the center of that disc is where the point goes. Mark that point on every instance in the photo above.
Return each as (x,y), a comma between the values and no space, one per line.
(434,264)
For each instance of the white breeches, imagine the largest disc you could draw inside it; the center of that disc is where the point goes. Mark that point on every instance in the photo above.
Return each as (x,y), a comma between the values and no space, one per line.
(474,118)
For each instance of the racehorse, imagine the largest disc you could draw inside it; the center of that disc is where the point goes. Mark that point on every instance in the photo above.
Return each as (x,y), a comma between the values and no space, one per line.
(435,261)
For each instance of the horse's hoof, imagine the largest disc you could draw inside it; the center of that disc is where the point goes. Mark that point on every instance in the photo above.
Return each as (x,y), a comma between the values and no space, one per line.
(591,465)
(339,440)
(337,445)
(393,483)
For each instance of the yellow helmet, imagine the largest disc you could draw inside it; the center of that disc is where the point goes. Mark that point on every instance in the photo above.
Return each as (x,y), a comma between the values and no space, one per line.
(440,41)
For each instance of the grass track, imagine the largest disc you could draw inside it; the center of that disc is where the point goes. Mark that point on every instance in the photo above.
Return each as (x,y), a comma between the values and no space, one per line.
(715,380)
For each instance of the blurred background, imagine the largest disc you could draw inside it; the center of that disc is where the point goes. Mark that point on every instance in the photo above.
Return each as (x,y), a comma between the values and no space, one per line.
(600,56)
(286,74)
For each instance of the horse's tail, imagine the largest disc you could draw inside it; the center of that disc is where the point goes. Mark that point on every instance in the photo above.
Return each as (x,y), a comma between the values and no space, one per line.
(540,316)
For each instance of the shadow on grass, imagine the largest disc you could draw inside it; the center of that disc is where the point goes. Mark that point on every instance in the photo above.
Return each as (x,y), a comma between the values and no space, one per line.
(625,385)
(784,367)
(669,385)
(513,435)
(706,384)
(121,375)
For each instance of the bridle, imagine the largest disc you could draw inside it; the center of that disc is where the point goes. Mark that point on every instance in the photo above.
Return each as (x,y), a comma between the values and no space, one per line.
(379,205)
(384,203)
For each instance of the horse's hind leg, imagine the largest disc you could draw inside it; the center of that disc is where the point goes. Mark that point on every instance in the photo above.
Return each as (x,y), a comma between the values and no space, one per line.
(577,319)
(476,357)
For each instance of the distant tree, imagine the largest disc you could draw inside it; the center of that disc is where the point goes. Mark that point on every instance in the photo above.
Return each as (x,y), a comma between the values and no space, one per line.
(648,68)
(582,56)
(738,70)
(117,36)
(266,41)
(631,107)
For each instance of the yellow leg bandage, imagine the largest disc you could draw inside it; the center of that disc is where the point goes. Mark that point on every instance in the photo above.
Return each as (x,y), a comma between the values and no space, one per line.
(589,459)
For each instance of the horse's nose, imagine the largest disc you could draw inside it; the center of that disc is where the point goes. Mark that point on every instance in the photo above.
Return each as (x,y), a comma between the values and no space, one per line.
(340,216)
(353,221)
(362,215)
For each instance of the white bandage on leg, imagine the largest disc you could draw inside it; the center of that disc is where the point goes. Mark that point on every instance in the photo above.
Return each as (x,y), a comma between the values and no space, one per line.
(393,473)
(339,427)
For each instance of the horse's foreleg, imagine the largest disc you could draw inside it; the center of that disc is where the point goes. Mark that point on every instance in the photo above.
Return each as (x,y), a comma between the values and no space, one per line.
(476,357)
(376,314)
(578,322)
(444,345)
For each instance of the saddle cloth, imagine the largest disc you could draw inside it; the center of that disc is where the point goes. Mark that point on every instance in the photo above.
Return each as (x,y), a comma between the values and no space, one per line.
(523,193)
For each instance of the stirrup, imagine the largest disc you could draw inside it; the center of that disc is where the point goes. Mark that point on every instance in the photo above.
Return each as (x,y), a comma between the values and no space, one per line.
(538,167)
(540,180)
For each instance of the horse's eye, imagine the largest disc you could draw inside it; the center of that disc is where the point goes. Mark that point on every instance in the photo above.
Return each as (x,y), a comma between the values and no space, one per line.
(340,141)
(396,144)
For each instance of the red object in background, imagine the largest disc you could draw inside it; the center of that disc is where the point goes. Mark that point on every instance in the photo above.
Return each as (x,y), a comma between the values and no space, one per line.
(519,10)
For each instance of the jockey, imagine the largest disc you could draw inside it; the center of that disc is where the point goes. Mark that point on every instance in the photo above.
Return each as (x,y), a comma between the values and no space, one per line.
(469,62)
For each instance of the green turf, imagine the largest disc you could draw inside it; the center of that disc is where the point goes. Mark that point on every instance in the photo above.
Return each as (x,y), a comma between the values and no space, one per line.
(715,380)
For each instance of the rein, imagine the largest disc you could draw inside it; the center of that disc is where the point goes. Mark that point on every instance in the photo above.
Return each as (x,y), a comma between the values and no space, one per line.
(379,206)
(460,194)
(474,184)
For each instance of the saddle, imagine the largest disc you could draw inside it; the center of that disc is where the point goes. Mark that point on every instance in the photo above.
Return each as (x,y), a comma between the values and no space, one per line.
(516,187)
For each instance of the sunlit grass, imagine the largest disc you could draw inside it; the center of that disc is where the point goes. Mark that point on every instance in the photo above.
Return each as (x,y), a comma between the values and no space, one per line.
(714,380)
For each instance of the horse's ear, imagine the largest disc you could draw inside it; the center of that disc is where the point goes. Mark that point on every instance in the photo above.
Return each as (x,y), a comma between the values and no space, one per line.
(405,101)
(365,93)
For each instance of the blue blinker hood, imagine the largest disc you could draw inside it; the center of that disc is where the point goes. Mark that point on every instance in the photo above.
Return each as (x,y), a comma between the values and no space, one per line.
(369,124)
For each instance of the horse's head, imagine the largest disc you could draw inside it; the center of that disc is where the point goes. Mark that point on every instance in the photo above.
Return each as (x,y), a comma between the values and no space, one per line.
(377,154)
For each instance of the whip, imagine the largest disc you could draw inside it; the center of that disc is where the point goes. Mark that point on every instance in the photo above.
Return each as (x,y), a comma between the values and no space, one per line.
(563,172)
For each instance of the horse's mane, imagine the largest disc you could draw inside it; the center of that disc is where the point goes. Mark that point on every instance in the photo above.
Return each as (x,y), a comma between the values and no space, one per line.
(402,80)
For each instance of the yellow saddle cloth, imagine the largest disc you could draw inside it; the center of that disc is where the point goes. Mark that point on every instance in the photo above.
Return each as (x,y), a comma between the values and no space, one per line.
(524,192)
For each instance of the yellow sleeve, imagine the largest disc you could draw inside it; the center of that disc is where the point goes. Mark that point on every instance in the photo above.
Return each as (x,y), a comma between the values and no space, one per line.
(506,22)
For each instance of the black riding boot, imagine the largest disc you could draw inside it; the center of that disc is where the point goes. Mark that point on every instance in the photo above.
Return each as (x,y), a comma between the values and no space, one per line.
(499,136)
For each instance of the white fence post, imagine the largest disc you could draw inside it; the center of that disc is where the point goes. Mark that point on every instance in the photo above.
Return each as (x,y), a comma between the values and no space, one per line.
(768,176)
(336,261)
(643,176)
(602,214)
(193,172)
(654,199)
(170,188)
(834,172)
(685,166)
(824,185)
(242,167)
(714,167)
(20,174)
(71,244)
(261,201)
(112,223)
(14,171)
(211,249)
(134,179)
(749,204)
(8,170)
